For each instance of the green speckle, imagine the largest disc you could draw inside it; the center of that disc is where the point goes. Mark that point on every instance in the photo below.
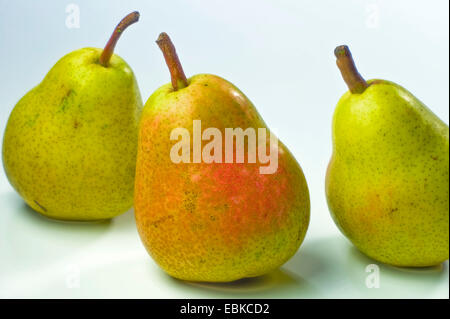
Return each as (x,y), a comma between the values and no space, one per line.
(66,100)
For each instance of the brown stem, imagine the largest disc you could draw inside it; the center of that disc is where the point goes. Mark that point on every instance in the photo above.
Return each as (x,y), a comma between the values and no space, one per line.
(177,76)
(109,48)
(345,63)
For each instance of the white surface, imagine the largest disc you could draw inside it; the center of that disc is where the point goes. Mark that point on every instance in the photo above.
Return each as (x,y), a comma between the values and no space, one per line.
(280,53)
(50,259)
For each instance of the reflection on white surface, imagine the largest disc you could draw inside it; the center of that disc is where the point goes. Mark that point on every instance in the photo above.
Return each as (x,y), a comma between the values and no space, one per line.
(49,259)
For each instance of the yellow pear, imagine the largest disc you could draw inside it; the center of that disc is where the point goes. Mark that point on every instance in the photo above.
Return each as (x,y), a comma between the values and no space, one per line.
(388,179)
(70,143)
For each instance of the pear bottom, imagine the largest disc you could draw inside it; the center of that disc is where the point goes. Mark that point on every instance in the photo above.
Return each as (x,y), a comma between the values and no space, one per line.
(400,226)
(91,216)
(225,224)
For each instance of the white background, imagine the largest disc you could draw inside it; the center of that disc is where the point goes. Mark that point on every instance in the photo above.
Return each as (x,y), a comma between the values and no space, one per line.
(280,54)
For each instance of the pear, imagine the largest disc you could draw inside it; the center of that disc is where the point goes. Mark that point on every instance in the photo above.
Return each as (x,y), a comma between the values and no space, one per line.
(207,216)
(387,183)
(70,143)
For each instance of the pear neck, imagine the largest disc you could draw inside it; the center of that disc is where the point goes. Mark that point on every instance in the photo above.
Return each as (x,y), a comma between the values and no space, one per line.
(108,51)
(177,76)
(350,74)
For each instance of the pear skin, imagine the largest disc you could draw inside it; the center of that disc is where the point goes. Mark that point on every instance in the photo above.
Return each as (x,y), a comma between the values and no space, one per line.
(70,143)
(213,222)
(387,183)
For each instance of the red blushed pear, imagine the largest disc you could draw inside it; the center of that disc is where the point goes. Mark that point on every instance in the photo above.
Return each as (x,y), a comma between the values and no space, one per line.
(387,183)
(200,215)
(69,147)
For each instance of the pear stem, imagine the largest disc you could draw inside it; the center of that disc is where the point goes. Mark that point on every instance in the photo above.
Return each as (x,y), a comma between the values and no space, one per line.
(346,65)
(109,48)
(177,76)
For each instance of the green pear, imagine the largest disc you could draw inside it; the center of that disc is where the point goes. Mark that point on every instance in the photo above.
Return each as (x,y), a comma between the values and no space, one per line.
(70,144)
(211,217)
(387,183)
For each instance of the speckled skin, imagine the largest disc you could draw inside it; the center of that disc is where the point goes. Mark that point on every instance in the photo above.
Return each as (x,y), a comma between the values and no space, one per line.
(214,222)
(388,179)
(70,144)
